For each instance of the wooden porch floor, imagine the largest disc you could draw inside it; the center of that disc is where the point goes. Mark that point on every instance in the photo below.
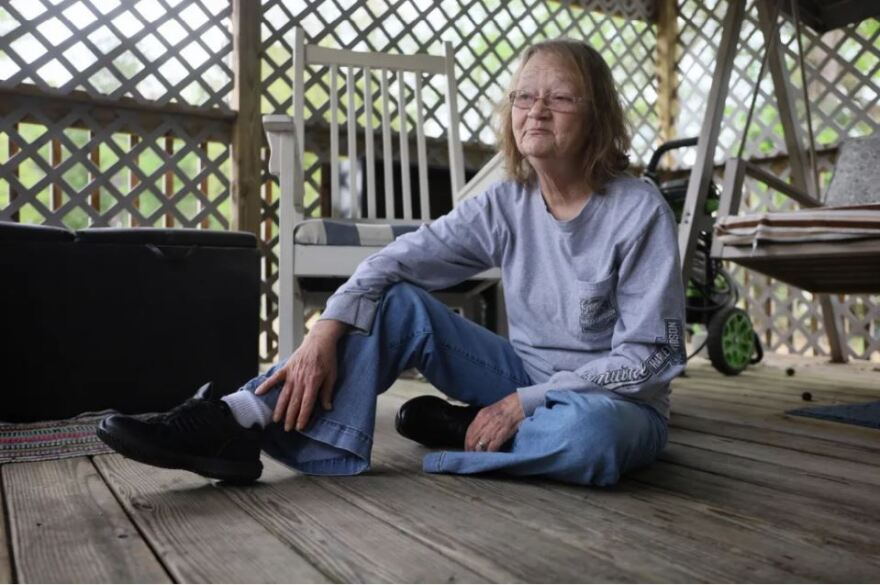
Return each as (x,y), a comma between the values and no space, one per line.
(742,493)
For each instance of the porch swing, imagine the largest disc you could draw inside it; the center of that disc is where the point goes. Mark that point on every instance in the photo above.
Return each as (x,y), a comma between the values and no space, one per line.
(830,246)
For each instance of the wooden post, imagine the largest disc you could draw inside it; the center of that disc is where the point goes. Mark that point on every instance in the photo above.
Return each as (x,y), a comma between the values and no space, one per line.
(56,187)
(271,339)
(95,157)
(203,184)
(667,81)
(169,179)
(692,220)
(133,179)
(247,133)
(13,194)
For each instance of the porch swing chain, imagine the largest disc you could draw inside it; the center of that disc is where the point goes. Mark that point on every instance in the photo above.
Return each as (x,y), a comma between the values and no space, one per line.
(774,33)
(801,64)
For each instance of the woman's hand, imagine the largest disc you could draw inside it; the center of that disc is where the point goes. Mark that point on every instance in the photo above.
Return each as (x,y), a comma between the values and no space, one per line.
(495,424)
(308,374)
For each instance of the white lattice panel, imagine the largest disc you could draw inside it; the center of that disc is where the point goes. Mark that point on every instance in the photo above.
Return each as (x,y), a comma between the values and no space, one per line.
(151,50)
(487,36)
(88,169)
(842,66)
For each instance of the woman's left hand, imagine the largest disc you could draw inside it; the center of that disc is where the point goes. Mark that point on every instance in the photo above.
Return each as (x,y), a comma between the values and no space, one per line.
(495,424)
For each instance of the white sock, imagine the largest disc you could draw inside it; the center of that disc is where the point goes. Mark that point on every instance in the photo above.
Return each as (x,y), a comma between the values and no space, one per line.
(247,409)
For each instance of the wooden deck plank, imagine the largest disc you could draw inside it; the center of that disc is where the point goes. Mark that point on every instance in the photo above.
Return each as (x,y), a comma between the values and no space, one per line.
(66,525)
(423,517)
(543,515)
(712,544)
(762,396)
(865,385)
(857,371)
(488,542)
(764,436)
(769,393)
(653,553)
(839,491)
(197,532)
(767,418)
(771,382)
(823,523)
(6,572)
(340,539)
(864,474)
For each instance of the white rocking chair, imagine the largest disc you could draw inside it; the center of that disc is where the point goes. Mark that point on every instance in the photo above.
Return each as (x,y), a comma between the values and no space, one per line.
(315,248)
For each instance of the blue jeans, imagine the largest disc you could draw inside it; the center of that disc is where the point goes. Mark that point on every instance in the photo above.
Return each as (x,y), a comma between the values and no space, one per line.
(573,437)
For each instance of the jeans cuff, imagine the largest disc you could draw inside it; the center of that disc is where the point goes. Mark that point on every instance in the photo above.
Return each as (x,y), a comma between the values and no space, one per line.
(433,462)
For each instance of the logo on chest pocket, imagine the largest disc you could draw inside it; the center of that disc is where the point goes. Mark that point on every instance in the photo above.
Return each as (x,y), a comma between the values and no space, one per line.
(597,314)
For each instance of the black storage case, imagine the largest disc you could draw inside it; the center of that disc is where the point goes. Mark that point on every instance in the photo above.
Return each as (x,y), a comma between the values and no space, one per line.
(130,319)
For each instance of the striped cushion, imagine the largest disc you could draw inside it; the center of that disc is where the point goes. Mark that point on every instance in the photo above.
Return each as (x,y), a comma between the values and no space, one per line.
(337,232)
(821,224)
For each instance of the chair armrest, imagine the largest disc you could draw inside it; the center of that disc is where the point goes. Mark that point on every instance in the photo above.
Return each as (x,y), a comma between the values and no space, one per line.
(492,172)
(279,128)
(281,135)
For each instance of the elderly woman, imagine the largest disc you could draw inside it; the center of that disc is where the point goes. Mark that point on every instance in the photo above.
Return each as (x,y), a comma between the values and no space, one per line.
(580,392)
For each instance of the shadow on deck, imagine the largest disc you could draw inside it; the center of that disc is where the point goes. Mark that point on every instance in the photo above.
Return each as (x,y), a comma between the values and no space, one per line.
(743,492)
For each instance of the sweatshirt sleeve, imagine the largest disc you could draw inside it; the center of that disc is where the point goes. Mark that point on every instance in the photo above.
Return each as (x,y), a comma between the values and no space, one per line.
(647,344)
(458,245)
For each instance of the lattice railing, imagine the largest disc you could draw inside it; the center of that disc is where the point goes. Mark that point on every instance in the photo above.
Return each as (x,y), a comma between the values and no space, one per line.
(157,51)
(844,101)
(70,162)
(487,36)
(841,64)
(98,167)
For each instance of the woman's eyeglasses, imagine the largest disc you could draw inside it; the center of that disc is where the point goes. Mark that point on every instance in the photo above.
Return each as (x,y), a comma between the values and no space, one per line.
(558,102)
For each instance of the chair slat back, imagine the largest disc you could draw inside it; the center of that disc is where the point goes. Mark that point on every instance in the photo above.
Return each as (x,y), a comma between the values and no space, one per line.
(359,71)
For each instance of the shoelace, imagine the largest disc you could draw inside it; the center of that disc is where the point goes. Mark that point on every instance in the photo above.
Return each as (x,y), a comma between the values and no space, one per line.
(189,417)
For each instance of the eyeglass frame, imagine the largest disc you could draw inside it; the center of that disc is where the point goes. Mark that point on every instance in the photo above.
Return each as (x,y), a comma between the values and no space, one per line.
(578,100)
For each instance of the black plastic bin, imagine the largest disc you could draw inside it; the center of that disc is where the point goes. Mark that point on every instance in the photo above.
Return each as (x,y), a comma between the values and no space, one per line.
(130,319)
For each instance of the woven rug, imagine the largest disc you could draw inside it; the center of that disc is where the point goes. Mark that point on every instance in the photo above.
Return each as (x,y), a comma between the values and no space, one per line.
(865,415)
(44,440)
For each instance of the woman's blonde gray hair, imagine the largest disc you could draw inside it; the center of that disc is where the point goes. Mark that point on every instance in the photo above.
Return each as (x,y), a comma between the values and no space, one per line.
(604,154)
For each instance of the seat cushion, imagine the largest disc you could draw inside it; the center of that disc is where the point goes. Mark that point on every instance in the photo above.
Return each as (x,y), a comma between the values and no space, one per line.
(340,232)
(820,224)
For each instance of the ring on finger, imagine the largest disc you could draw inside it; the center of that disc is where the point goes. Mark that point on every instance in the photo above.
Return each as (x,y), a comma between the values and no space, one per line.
(481,446)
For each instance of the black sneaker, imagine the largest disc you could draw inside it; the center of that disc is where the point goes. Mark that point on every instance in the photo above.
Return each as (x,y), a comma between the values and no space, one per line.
(435,423)
(200,435)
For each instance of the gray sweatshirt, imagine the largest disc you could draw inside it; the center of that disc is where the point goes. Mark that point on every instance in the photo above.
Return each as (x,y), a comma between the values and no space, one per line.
(594,303)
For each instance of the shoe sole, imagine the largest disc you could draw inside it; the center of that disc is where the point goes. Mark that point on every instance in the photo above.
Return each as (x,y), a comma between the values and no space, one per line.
(245,472)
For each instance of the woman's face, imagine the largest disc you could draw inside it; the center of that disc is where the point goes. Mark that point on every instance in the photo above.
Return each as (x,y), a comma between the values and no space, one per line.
(542,133)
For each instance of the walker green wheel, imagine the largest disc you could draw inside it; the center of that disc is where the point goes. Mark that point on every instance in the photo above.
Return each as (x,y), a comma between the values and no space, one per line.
(730,340)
